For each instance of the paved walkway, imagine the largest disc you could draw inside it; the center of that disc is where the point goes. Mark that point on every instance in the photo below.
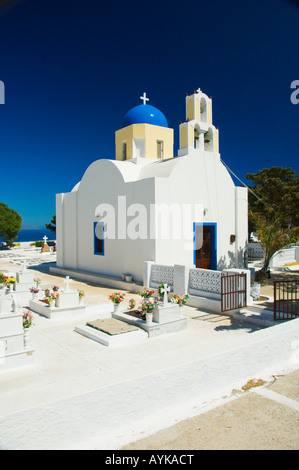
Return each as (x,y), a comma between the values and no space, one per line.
(80,394)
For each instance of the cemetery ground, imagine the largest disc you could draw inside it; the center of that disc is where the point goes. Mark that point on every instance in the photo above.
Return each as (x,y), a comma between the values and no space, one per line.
(80,394)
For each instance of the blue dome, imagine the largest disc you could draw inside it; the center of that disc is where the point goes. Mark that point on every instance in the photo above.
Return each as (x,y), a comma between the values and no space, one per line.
(145,114)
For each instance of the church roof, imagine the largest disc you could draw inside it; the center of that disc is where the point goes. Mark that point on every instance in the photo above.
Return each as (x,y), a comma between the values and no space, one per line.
(145,114)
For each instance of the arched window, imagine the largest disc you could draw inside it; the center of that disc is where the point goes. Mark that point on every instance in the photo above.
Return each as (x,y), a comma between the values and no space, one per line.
(203,110)
(196,137)
(209,140)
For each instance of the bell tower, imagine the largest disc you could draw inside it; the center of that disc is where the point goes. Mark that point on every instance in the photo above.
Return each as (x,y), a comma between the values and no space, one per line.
(198,131)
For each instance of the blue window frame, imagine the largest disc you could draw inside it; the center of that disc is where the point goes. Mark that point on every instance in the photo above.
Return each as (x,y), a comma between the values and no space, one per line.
(212,227)
(98,232)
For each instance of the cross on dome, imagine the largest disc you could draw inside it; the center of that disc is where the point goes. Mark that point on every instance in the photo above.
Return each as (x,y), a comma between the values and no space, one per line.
(144,98)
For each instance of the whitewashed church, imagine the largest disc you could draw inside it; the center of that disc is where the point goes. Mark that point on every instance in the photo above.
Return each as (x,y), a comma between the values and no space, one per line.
(149,205)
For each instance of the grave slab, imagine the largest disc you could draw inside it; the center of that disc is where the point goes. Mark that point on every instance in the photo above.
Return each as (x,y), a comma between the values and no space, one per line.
(111,332)
(55,312)
(175,324)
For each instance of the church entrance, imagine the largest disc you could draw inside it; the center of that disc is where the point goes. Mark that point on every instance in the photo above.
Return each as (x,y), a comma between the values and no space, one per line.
(205,249)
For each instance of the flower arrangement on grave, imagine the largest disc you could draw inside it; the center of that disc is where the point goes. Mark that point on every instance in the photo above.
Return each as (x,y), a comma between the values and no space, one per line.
(50,298)
(179,299)
(10,280)
(146,293)
(34,290)
(2,278)
(27,319)
(148,306)
(117,297)
(81,294)
(55,288)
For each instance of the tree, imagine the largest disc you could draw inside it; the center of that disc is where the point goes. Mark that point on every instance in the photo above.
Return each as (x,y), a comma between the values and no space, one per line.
(52,225)
(10,223)
(276,195)
(272,236)
(273,209)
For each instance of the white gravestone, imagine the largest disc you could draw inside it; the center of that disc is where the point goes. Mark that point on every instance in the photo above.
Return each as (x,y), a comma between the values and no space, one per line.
(165,289)
(68,298)
(25,279)
(168,312)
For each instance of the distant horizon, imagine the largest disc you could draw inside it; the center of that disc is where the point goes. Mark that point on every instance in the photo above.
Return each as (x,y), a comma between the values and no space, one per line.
(34,227)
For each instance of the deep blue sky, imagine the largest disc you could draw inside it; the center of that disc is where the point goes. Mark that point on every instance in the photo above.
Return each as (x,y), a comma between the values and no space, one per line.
(72,69)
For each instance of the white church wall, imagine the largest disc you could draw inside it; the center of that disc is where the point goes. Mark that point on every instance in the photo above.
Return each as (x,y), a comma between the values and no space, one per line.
(66,237)
(100,185)
(200,179)
(139,244)
(59,230)
(224,204)
(70,230)
(103,185)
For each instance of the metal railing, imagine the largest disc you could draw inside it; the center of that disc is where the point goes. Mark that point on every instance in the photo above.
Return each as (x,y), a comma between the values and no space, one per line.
(233,291)
(286,300)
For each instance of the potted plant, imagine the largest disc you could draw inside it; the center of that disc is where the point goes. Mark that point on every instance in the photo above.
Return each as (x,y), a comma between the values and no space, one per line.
(179,299)
(148,307)
(34,291)
(27,323)
(10,281)
(116,298)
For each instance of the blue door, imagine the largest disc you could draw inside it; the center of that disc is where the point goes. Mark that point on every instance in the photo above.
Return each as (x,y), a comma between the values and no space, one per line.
(205,245)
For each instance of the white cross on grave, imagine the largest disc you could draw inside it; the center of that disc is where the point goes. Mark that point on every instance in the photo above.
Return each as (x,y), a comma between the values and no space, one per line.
(24,265)
(165,290)
(144,98)
(67,284)
(45,238)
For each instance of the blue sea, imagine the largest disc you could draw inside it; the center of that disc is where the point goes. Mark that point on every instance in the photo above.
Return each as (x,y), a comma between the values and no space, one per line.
(34,235)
